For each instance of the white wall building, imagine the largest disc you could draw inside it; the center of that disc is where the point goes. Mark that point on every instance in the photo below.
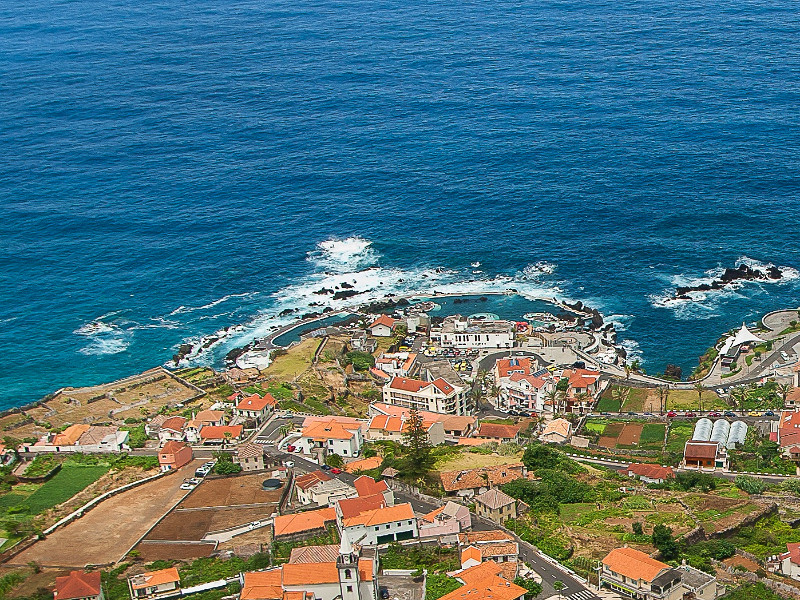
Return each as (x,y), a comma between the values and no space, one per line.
(460,332)
(382,525)
(437,396)
(331,437)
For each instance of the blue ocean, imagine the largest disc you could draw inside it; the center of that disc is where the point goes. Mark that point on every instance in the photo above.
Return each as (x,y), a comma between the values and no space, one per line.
(170,169)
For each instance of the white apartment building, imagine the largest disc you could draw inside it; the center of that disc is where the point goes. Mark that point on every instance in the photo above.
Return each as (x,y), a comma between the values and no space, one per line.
(434,396)
(460,332)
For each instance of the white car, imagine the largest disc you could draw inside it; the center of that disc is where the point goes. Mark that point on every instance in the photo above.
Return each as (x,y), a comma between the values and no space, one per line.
(188,486)
(288,463)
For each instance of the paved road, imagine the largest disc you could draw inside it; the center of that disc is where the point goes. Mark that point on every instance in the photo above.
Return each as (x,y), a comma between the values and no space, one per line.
(549,573)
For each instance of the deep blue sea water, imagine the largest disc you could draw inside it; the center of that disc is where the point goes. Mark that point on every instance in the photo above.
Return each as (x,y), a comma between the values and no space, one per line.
(171,168)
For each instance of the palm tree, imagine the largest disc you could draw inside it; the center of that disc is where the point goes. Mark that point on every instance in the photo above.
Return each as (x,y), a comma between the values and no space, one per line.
(285,429)
(552,397)
(582,399)
(739,395)
(558,586)
(661,391)
(783,390)
(699,388)
(620,394)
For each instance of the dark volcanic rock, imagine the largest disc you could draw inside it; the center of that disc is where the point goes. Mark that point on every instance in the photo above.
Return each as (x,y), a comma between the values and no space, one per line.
(323,291)
(741,272)
(287,311)
(345,294)
(346,286)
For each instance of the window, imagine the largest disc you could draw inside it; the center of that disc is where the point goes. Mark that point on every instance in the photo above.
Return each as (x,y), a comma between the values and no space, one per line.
(347,574)
(377,528)
(349,588)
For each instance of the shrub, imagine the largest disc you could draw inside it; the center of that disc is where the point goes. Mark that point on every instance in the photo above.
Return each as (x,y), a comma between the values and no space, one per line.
(751,485)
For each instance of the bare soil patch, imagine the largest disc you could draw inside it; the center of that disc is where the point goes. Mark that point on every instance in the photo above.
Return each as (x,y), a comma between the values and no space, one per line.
(607,442)
(173,551)
(232,491)
(630,434)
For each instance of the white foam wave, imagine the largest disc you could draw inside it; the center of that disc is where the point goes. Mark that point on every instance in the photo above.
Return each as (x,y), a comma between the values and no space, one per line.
(190,309)
(343,255)
(620,322)
(538,269)
(100,346)
(633,351)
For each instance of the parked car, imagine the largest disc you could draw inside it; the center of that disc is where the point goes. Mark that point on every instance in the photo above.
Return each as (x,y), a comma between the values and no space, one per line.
(756,413)
(187,486)
(288,463)
(254,524)
(690,414)
(291,448)
(769,413)
(714,413)
(336,470)
(326,467)
(729,413)
(202,471)
(672,414)
(384,593)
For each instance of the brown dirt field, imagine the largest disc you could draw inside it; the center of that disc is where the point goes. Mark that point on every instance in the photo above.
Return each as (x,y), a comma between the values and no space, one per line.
(652,403)
(613,429)
(230,491)
(151,552)
(607,442)
(720,503)
(106,533)
(741,560)
(630,434)
(262,536)
(194,524)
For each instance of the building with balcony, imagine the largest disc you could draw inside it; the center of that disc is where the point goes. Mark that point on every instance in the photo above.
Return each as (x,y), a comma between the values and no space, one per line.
(464,333)
(437,396)
(155,584)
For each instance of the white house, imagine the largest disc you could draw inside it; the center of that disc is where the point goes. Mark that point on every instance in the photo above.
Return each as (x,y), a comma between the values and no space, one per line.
(790,561)
(256,407)
(382,525)
(331,437)
(382,326)
(399,364)
(173,429)
(447,520)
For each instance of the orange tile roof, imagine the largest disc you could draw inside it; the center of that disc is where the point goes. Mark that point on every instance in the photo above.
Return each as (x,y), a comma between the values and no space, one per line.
(208,416)
(77,585)
(694,450)
(256,402)
(379,516)
(470,537)
(304,521)
(217,432)
(560,427)
(329,430)
(310,573)
(507,366)
(309,480)
(171,447)
(634,564)
(365,464)
(431,516)
(484,581)
(70,435)
(367,486)
(314,554)
(499,549)
(496,430)
(471,552)
(262,585)
(383,320)
(152,578)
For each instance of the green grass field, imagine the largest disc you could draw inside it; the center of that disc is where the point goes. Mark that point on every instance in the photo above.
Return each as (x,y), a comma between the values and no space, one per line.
(36,498)
(679,433)
(652,437)
(634,401)
(687,400)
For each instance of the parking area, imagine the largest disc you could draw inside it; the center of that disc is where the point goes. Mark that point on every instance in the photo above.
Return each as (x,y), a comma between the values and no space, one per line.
(402,587)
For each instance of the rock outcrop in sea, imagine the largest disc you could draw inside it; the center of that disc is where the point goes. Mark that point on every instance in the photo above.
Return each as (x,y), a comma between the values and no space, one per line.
(741,272)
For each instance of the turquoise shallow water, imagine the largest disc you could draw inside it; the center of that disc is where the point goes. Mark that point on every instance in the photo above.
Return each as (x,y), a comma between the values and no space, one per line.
(172,169)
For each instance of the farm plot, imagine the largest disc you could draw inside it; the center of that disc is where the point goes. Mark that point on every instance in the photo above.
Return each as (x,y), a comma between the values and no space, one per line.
(215,505)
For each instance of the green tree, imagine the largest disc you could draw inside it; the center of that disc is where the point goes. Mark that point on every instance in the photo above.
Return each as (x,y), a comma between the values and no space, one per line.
(534,589)
(334,460)
(558,585)
(783,390)
(637,528)
(663,540)
(417,446)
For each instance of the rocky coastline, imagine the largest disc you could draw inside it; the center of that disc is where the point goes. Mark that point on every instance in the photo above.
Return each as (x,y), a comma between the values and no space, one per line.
(741,272)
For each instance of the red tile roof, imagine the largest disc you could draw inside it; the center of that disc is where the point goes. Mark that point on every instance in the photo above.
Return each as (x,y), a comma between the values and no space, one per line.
(379,516)
(705,450)
(792,553)
(309,480)
(507,366)
(495,430)
(309,520)
(152,578)
(651,471)
(174,423)
(352,507)
(77,585)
